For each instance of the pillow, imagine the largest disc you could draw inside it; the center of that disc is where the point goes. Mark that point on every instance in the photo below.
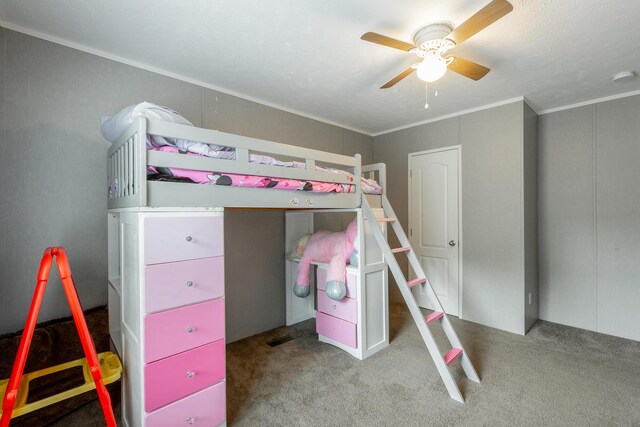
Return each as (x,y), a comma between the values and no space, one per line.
(114,126)
(209,150)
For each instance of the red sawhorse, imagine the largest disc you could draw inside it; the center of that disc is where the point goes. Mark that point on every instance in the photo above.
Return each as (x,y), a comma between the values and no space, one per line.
(88,345)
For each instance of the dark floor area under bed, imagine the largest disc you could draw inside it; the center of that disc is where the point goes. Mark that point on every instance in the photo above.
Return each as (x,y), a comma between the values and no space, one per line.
(56,342)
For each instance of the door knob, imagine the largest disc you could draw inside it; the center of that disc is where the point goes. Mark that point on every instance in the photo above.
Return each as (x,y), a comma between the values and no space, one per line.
(452,242)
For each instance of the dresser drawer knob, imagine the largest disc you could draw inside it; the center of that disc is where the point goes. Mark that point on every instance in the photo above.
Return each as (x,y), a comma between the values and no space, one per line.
(334,306)
(189,238)
(189,283)
(191,420)
(191,374)
(189,329)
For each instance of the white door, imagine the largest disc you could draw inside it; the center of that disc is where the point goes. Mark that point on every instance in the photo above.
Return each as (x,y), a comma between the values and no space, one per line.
(434,223)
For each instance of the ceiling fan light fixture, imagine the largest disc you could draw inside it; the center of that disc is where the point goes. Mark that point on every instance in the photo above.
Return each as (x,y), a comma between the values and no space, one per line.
(432,67)
(434,41)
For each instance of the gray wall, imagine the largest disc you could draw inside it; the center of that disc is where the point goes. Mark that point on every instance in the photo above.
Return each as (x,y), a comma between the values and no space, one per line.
(493,221)
(2,108)
(53,176)
(530,159)
(589,192)
(52,167)
(254,292)
(2,94)
(566,218)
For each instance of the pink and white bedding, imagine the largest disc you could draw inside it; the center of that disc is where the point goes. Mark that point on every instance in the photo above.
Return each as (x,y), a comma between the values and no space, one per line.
(112,127)
(235,180)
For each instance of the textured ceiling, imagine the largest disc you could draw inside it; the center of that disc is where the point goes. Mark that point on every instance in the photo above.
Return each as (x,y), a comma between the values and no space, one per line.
(306,55)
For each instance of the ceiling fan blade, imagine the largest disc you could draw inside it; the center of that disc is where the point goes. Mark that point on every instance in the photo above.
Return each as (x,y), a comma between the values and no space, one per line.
(482,19)
(468,68)
(387,41)
(399,77)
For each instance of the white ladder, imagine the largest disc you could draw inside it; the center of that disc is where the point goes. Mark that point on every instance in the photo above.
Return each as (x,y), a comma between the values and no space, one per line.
(457,351)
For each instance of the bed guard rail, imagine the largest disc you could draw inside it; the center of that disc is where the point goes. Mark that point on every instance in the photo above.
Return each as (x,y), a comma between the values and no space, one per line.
(128,159)
(377,172)
(127,168)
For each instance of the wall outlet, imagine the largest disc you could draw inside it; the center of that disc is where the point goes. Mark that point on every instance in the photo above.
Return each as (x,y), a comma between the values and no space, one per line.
(529,298)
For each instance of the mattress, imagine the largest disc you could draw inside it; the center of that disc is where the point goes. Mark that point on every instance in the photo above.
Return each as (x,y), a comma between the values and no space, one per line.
(368,186)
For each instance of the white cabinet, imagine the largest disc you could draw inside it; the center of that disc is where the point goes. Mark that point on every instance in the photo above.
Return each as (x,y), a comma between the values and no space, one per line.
(166,308)
(166,315)
(358,324)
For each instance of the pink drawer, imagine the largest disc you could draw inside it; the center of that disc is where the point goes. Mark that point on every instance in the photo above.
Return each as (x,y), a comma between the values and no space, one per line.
(352,290)
(182,283)
(336,329)
(175,377)
(168,239)
(346,308)
(173,331)
(204,408)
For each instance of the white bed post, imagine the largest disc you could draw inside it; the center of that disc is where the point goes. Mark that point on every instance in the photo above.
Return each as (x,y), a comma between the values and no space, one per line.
(140,163)
(382,177)
(357,172)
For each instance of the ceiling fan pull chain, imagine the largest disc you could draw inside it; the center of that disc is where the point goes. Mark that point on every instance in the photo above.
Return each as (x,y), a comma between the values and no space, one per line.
(426,96)
(435,93)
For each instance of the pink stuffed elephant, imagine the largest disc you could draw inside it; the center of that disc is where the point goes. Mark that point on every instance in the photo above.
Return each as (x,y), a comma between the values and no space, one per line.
(334,248)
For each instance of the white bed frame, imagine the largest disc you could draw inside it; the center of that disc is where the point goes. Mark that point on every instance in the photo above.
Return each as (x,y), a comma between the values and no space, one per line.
(134,200)
(128,160)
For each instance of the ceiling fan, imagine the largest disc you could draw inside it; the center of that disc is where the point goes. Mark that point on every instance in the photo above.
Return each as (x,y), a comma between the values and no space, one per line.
(433,42)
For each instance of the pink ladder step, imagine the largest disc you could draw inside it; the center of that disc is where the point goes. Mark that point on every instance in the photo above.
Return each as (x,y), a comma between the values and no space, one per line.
(402,249)
(433,316)
(414,282)
(386,219)
(452,355)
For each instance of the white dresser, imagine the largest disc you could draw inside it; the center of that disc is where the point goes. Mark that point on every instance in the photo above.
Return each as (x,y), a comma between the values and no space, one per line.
(166,309)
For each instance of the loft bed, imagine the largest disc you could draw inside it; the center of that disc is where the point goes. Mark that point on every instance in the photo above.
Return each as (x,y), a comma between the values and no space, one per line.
(166,287)
(130,160)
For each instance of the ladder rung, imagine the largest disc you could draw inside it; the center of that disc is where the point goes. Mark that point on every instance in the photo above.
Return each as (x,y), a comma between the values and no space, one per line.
(402,249)
(433,316)
(386,219)
(452,355)
(414,282)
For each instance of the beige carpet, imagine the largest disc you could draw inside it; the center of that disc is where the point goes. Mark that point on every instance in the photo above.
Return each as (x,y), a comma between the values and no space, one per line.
(556,375)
